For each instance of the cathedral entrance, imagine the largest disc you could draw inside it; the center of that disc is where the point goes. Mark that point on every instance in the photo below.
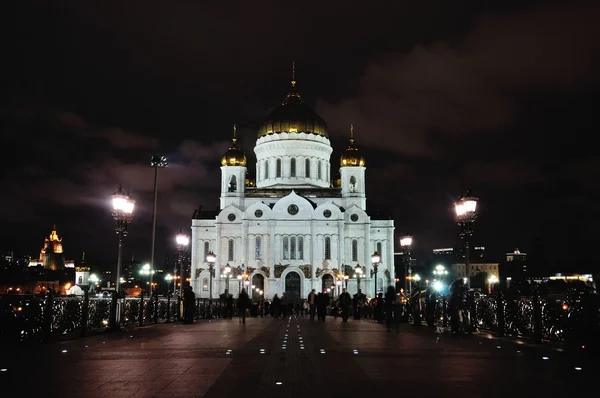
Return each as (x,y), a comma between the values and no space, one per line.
(327,282)
(258,281)
(292,286)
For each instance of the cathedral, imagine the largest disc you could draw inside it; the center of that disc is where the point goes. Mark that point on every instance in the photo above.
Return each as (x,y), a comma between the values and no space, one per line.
(293,229)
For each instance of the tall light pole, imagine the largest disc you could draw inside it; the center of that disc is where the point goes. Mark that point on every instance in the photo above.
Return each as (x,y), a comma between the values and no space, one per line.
(182,241)
(466,213)
(405,246)
(156,162)
(122,212)
(375,259)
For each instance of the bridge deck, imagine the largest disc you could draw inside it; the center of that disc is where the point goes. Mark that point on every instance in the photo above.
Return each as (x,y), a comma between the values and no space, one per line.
(309,359)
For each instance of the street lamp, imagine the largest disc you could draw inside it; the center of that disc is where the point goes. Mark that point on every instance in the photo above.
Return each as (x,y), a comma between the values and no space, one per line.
(466,213)
(147,272)
(375,258)
(358,273)
(122,212)
(239,278)
(170,278)
(405,246)
(491,281)
(227,271)
(156,162)
(440,271)
(346,277)
(211,258)
(182,241)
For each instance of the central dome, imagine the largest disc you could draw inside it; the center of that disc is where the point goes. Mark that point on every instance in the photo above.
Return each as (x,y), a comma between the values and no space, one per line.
(293,116)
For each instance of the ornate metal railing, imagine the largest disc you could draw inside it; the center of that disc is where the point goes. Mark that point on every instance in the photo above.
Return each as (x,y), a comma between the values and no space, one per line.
(566,318)
(25,318)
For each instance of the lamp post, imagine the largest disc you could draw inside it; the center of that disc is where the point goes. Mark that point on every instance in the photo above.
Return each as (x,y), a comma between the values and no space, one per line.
(211,258)
(346,277)
(182,241)
(358,273)
(170,278)
(239,278)
(227,271)
(156,162)
(147,272)
(122,212)
(466,213)
(375,258)
(405,246)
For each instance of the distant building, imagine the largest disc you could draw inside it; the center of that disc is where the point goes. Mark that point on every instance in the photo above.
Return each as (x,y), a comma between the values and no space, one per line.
(516,265)
(492,269)
(52,256)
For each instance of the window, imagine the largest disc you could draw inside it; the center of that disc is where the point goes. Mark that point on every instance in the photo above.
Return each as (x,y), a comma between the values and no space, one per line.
(292,248)
(286,248)
(230,250)
(378,249)
(307,167)
(232,184)
(300,248)
(205,284)
(293,167)
(80,280)
(206,250)
(354,250)
(319,171)
(278,170)
(257,246)
(352,185)
(328,248)
(266,169)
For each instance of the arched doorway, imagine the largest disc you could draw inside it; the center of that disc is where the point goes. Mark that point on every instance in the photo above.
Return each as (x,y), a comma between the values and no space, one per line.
(292,286)
(327,282)
(258,281)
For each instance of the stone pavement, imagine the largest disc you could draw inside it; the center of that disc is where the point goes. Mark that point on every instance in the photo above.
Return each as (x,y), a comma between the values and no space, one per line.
(290,358)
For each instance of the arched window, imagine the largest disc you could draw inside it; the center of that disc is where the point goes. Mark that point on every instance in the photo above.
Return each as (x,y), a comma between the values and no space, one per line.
(266,169)
(352,185)
(257,248)
(327,248)
(319,170)
(206,250)
(292,248)
(307,167)
(205,284)
(232,184)
(354,250)
(230,250)
(80,280)
(286,248)
(278,169)
(300,248)
(293,167)
(378,249)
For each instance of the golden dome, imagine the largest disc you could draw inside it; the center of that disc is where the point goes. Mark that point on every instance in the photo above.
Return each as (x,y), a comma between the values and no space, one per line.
(234,155)
(293,116)
(352,156)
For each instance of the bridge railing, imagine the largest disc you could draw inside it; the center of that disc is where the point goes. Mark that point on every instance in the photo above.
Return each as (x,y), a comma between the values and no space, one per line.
(567,318)
(30,318)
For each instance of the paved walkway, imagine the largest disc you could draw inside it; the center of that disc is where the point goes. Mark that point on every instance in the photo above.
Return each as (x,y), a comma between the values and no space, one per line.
(290,358)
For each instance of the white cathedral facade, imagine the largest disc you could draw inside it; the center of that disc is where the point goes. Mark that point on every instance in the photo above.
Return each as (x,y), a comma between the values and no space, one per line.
(293,229)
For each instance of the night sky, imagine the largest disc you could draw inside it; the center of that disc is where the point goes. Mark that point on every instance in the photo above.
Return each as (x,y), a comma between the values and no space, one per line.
(497,96)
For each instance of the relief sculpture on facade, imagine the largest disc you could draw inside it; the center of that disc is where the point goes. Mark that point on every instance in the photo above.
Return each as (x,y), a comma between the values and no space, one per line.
(266,270)
(198,272)
(279,268)
(306,270)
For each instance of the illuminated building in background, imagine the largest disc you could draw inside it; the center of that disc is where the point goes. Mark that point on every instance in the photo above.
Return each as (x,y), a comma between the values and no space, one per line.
(51,255)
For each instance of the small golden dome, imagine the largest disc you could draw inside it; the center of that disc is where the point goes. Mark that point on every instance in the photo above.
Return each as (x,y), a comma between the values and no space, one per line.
(352,156)
(234,155)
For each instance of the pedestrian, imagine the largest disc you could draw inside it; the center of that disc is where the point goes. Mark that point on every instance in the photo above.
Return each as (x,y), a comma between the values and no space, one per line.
(344,301)
(243,305)
(312,304)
